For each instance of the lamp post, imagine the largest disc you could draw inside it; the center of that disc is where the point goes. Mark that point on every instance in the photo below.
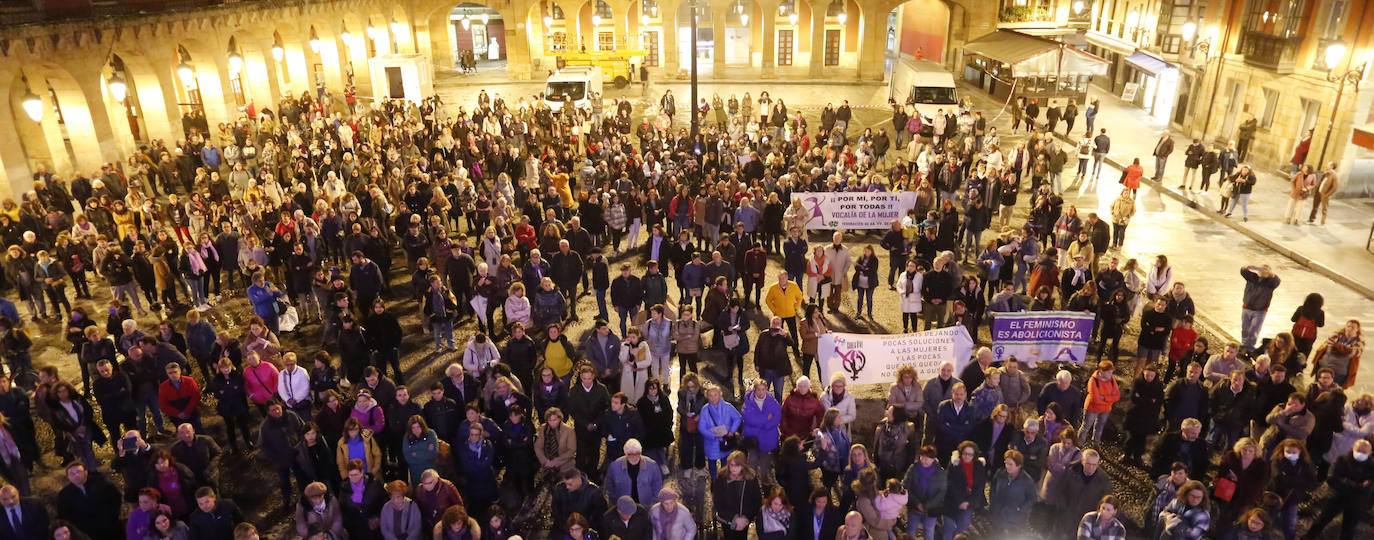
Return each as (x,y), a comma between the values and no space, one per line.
(696,125)
(1334,53)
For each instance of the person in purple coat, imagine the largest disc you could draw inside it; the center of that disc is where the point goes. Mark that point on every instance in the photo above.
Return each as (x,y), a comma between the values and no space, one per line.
(761,415)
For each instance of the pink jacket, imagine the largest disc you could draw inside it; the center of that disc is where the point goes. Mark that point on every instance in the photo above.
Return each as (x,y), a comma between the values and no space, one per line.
(260,382)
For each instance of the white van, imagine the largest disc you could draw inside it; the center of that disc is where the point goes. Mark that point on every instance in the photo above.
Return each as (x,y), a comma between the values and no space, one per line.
(924,84)
(575,82)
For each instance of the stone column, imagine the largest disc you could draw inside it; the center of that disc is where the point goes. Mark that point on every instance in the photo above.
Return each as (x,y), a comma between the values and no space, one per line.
(769,14)
(717,43)
(88,123)
(818,10)
(518,64)
(668,47)
(872,45)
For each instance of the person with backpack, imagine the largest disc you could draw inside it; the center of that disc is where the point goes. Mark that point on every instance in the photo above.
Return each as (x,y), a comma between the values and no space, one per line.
(1306,320)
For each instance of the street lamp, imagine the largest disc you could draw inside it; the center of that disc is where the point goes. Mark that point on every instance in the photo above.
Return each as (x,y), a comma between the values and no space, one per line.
(1334,53)
(1078,7)
(744,19)
(842,17)
(596,21)
(792,18)
(548,21)
(118,88)
(465,22)
(345,35)
(644,20)
(32,105)
(372,31)
(184,69)
(1189,30)
(235,59)
(696,122)
(278,50)
(486,18)
(314,40)
(398,28)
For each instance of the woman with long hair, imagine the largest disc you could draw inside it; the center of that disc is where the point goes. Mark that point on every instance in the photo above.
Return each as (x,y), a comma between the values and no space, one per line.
(737,497)
(1307,318)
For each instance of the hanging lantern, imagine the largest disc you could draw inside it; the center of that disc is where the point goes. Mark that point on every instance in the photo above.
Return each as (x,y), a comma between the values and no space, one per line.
(314,40)
(32,105)
(465,22)
(118,88)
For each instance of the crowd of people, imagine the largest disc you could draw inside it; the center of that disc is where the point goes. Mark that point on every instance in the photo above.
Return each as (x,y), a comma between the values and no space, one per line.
(496,218)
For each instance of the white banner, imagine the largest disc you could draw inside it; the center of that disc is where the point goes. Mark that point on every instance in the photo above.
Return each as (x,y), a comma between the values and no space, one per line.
(855,209)
(874,358)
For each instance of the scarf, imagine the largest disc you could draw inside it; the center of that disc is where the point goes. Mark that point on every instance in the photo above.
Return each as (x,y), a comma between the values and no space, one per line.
(550,441)
(776,521)
(197,264)
(924,475)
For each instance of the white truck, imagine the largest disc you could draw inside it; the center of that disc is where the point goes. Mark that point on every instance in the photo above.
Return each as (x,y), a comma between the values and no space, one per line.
(924,84)
(574,84)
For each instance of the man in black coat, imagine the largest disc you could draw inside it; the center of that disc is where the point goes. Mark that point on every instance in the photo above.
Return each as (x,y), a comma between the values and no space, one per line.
(23,519)
(90,502)
(1186,446)
(213,518)
(567,268)
(1352,483)
(576,494)
(627,520)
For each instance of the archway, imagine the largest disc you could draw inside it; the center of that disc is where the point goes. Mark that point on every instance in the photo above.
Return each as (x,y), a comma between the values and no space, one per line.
(478,35)
(702,45)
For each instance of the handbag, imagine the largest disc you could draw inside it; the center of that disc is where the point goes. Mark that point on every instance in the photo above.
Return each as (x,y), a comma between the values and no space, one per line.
(1224,489)
(445,452)
(690,424)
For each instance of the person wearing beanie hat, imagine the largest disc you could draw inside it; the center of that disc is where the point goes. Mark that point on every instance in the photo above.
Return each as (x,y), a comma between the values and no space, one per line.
(671,520)
(627,520)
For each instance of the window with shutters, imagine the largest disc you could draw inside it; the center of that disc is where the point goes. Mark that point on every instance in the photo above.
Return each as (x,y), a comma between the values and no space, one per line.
(785,47)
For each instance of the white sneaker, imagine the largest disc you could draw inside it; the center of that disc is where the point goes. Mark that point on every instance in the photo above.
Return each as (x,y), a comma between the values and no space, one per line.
(219,298)
(203,307)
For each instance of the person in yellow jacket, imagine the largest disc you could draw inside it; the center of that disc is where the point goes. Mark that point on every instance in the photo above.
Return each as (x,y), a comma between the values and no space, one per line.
(784,299)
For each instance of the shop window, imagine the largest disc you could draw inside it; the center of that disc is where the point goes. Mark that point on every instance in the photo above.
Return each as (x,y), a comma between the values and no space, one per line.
(1271,105)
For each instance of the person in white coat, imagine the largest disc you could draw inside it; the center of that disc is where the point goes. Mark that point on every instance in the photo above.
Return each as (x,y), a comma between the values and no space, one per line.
(1358,421)
(671,519)
(480,354)
(838,397)
(909,288)
(838,256)
(634,364)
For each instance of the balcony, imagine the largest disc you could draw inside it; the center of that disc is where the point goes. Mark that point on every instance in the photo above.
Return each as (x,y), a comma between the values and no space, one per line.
(1026,14)
(1275,53)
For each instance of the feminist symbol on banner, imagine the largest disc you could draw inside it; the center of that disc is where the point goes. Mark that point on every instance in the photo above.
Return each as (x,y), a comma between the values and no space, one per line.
(852,361)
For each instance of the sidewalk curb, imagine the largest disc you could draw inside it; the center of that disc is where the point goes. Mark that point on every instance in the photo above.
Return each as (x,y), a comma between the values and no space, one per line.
(1308,262)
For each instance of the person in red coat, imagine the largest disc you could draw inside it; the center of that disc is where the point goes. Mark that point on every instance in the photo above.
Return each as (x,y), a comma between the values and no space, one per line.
(801,411)
(755,262)
(1131,176)
(178,397)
